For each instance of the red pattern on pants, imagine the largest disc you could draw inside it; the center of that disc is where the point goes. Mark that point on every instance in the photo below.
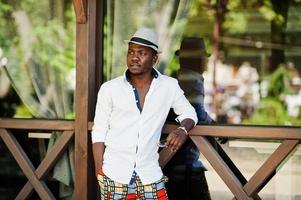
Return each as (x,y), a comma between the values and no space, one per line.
(112,190)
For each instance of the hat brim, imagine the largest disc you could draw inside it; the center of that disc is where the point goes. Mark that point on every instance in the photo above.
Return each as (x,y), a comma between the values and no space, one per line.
(142,44)
(177,53)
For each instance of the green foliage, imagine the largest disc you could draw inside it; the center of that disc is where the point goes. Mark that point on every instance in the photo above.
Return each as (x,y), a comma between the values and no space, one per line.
(272,112)
(235,22)
(199,7)
(23,111)
(46,52)
(269,13)
(173,66)
(38,11)
(278,83)
(70,115)
(41,53)
(269,111)
(8,36)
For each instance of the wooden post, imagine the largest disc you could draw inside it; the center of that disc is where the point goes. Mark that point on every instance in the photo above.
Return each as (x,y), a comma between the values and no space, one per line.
(89,35)
(80,9)
(84,60)
(81,112)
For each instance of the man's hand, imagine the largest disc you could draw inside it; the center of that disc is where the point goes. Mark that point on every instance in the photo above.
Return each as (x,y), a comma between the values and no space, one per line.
(175,139)
(98,151)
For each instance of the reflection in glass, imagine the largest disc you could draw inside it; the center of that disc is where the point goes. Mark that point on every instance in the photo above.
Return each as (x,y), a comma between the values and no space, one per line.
(39,45)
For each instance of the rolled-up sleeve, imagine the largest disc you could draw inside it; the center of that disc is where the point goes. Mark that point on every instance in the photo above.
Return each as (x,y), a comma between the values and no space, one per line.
(182,107)
(102,115)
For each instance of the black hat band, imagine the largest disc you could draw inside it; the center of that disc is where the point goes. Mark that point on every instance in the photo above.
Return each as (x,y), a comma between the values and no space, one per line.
(143,41)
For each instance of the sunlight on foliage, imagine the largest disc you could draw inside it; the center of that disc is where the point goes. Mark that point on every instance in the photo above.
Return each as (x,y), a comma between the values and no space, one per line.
(268,12)
(278,83)
(46,52)
(269,111)
(236,22)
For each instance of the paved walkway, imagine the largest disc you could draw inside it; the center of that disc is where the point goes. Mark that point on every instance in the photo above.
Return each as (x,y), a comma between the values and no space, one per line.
(284,186)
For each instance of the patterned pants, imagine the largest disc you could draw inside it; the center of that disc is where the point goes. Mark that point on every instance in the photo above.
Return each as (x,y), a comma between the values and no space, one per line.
(111,190)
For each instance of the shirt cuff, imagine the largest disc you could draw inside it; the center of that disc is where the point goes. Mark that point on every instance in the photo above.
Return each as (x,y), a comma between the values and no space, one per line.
(97,137)
(181,118)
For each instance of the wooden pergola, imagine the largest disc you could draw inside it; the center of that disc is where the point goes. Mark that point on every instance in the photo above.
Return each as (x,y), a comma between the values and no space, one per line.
(89,34)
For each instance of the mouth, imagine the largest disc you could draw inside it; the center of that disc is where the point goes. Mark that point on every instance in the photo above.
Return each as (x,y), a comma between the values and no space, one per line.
(135,66)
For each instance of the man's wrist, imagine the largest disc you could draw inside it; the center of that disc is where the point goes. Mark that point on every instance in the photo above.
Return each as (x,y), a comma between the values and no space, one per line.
(184,129)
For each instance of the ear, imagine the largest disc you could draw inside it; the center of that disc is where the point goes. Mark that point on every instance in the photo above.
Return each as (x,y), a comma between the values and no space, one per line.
(155,58)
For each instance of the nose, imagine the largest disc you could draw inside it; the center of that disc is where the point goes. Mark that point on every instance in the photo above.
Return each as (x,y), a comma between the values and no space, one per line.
(135,56)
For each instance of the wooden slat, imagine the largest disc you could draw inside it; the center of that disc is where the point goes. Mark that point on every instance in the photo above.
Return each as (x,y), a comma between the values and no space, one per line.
(265,172)
(48,162)
(36,124)
(231,165)
(220,167)
(243,131)
(80,8)
(25,164)
(39,135)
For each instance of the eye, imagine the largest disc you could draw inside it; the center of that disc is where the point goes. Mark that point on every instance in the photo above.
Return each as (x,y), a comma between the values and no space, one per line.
(130,52)
(142,53)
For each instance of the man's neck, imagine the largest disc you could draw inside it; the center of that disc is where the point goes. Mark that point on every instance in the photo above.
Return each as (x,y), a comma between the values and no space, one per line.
(141,80)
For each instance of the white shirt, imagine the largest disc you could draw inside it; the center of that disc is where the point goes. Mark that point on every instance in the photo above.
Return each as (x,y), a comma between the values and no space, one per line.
(131,137)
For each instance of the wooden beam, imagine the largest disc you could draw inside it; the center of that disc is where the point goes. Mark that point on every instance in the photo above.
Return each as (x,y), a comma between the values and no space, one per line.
(242,131)
(37,124)
(48,162)
(221,167)
(80,9)
(268,169)
(25,164)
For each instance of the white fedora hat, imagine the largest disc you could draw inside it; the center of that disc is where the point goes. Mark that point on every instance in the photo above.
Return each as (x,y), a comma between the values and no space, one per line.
(145,37)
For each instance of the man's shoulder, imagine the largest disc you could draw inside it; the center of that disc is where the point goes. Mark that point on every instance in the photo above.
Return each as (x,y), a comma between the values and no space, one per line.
(113,82)
(168,79)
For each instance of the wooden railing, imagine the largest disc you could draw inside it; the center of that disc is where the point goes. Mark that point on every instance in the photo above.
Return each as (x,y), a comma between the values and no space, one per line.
(36,176)
(241,188)
(201,135)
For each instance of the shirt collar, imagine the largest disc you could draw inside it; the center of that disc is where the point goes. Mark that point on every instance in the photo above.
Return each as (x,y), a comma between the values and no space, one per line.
(155,74)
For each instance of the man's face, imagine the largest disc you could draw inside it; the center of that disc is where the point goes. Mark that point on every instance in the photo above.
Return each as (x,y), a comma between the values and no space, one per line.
(140,59)
(197,60)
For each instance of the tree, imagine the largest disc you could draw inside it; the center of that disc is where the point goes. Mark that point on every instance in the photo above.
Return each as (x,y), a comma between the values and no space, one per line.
(278,35)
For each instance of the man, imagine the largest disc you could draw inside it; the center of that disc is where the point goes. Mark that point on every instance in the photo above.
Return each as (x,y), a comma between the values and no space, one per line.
(130,113)
(185,171)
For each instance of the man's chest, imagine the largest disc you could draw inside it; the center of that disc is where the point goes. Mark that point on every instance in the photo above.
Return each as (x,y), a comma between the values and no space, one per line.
(149,99)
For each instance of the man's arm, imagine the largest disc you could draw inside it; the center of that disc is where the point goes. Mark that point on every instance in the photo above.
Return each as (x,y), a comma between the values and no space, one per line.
(188,124)
(98,151)
(101,125)
(178,136)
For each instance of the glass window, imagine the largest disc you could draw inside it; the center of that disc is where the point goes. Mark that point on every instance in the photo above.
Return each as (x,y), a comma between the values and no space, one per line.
(253,72)
(37,59)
